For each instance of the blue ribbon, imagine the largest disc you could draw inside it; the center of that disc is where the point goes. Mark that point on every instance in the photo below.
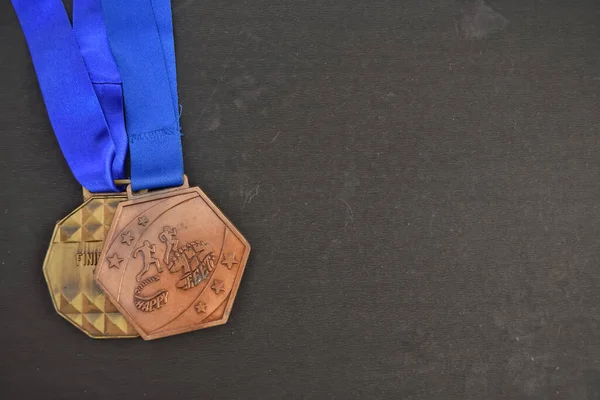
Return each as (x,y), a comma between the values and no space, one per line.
(90,30)
(140,33)
(80,85)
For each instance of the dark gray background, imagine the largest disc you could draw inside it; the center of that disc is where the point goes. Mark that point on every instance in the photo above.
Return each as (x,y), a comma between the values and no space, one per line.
(419,181)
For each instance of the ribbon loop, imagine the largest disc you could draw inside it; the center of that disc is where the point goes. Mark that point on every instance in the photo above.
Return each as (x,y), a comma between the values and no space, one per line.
(140,34)
(87,119)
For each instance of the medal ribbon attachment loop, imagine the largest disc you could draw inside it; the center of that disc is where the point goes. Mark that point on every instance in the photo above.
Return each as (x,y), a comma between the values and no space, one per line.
(81,87)
(140,34)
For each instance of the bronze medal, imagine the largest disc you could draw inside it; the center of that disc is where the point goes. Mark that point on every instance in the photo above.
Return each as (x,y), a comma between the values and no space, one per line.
(172,262)
(69,269)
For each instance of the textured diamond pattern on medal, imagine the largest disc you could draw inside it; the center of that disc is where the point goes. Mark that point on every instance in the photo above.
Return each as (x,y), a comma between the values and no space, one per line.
(69,266)
(89,224)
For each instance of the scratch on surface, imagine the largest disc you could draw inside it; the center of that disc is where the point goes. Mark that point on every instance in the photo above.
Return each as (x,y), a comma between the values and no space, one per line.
(215,122)
(208,102)
(276,136)
(350,221)
(431,222)
(250,194)
(350,212)
(206,106)
(522,337)
(211,96)
(271,260)
(259,39)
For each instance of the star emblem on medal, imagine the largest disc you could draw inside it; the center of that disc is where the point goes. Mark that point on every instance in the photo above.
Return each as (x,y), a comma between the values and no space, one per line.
(218,286)
(200,307)
(143,221)
(127,238)
(229,260)
(114,261)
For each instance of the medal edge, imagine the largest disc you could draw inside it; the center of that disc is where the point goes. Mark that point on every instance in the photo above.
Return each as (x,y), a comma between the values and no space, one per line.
(151,336)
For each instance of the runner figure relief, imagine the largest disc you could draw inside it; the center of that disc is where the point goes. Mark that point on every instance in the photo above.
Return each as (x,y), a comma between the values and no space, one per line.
(147,251)
(157,299)
(169,237)
(195,262)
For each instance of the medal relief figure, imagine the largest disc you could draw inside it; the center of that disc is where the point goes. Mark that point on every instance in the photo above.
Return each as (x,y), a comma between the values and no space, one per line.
(169,237)
(147,250)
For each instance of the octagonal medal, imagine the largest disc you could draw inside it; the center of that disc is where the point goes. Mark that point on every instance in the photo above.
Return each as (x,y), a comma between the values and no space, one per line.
(172,262)
(69,269)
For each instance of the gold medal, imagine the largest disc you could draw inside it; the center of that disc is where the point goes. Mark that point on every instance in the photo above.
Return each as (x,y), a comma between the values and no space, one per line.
(69,268)
(172,262)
